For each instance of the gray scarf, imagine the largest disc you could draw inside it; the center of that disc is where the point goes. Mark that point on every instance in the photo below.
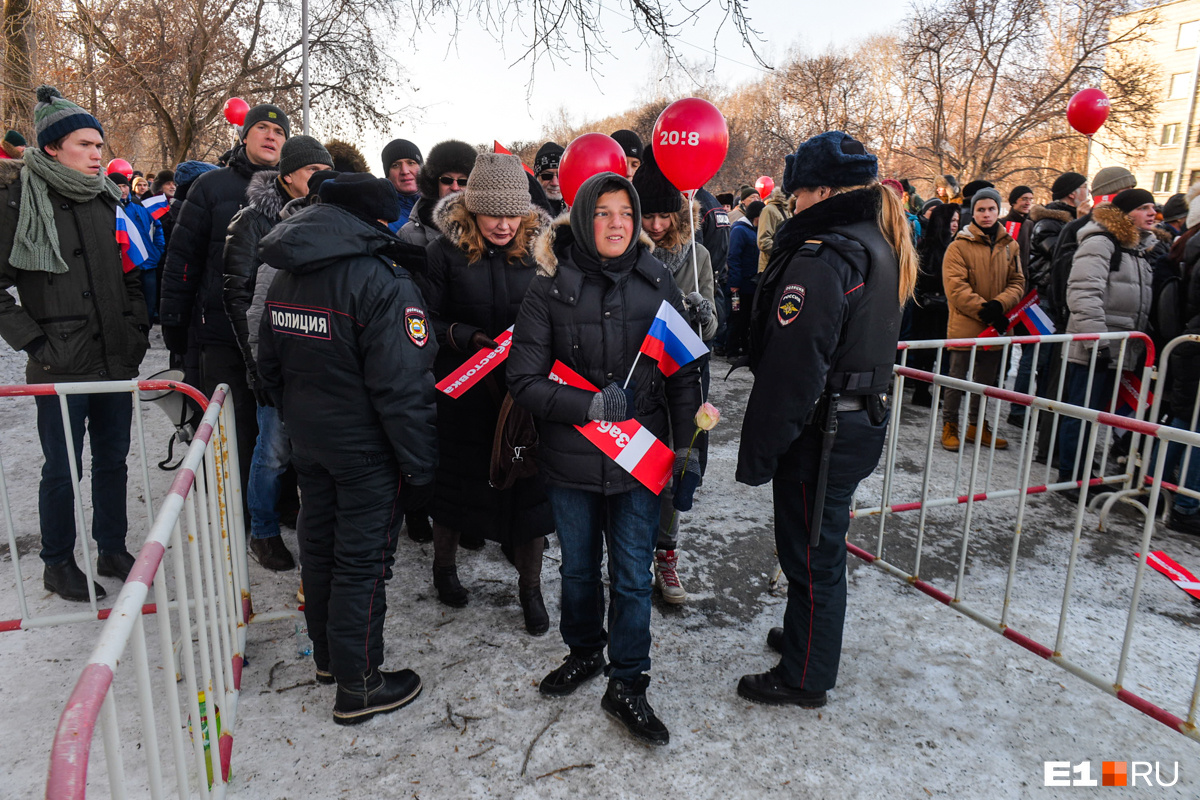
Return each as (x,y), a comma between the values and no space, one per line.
(35,244)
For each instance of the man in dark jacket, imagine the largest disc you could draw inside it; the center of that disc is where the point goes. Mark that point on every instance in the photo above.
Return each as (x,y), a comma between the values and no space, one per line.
(743,276)
(402,163)
(300,157)
(545,169)
(191,288)
(80,318)
(345,353)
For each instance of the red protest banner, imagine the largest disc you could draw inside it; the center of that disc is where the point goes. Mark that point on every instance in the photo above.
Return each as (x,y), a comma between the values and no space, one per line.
(635,449)
(472,372)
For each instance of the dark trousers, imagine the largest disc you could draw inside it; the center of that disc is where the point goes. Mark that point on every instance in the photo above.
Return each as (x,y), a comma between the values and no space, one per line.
(224,364)
(739,321)
(628,524)
(987,372)
(347,533)
(1072,431)
(107,418)
(150,292)
(816,603)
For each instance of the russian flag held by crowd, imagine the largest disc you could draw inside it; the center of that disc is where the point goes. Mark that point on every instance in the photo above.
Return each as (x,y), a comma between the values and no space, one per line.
(133,249)
(1036,321)
(158,206)
(671,342)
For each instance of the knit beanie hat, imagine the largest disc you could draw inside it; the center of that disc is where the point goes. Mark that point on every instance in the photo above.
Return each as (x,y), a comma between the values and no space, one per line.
(54,117)
(630,142)
(657,194)
(1176,207)
(747,191)
(986,193)
(398,149)
(363,195)
(754,209)
(1017,192)
(316,179)
(833,159)
(974,186)
(266,112)
(931,203)
(14,138)
(118,178)
(1129,199)
(1065,184)
(448,156)
(300,151)
(548,156)
(497,186)
(894,185)
(1111,180)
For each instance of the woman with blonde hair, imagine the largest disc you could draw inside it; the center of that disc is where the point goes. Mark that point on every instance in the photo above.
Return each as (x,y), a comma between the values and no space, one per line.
(478,274)
(824,327)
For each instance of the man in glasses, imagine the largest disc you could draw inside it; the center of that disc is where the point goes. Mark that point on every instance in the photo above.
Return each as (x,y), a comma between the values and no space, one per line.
(402,162)
(545,166)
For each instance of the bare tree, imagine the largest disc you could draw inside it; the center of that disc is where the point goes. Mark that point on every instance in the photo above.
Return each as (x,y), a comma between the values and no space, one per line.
(16,72)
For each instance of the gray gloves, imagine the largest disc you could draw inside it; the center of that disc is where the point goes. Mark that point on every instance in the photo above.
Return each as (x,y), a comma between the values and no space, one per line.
(700,310)
(612,403)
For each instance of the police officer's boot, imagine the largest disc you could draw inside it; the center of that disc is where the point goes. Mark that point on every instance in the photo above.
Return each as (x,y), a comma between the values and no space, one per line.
(376,692)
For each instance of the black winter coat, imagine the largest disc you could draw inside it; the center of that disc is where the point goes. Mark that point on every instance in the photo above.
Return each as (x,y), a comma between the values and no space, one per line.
(344,347)
(1048,222)
(265,198)
(1184,369)
(192,278)
(594,321)
(464,299)
(93,316)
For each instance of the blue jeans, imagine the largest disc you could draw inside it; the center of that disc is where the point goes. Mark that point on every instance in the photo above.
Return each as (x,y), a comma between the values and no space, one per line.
(272,454)
(107,418)
(1071,431)
(1183,505)
(628,524)
(150,292)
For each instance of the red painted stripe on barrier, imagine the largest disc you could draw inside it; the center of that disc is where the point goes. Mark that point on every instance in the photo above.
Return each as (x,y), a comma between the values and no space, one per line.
(858,551)
(101,615)
(10,625)
(237,673)
(1148,428)
(225,743)
(73,739)
(1027,643)
(147,563)
(1151,710)
(932,591)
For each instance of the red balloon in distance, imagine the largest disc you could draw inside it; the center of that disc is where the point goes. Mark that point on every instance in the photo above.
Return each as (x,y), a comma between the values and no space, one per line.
(690,141)
(235,110)
(586,156)
(119,165)
(1087,111)
(764,186)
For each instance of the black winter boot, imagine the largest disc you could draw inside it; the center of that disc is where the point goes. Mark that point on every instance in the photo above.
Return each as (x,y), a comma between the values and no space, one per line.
(374,693)
(573,673)
(449,590)
(770,688)
(115,565)
(775,639)
(537,621)
(68,582)
(626,702)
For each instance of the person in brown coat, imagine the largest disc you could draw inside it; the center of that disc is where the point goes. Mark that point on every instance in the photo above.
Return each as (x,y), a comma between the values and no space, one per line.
(981,272)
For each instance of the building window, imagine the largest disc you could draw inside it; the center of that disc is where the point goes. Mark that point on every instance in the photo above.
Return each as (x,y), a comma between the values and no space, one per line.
(1163,181)
(1193,176)
(1181,85)
(1187,35)
(1170,133)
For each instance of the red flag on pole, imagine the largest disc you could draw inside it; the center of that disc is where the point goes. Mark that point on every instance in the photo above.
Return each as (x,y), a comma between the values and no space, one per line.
(499,148)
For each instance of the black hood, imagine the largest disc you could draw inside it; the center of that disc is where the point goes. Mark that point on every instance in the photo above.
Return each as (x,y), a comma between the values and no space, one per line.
(240,163)
(841,209)
(323,235)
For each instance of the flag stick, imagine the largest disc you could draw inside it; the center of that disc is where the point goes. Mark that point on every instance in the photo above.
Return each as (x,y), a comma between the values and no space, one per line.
(695,265)
(629,377)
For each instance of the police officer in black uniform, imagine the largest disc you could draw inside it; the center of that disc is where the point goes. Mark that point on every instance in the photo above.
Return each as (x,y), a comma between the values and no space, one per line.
(823,334)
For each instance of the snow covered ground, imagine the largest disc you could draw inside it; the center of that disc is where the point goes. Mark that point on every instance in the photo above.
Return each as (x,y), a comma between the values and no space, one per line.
(928,704)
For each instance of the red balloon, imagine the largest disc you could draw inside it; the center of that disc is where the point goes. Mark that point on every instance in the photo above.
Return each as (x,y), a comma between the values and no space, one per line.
(690,141)
(764,186)
(119,165)
(1088,110)
(586,156)
(235,110)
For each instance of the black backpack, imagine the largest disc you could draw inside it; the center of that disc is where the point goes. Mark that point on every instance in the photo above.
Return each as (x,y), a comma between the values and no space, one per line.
(1168,314)
(1060,271)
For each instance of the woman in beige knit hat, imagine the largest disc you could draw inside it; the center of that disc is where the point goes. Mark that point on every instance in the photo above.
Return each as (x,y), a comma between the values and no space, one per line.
(478,274)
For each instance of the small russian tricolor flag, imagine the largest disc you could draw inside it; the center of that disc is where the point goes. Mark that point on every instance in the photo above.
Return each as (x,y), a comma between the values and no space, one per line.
(133,249)
(1036,321)
(671,342)
(158,206)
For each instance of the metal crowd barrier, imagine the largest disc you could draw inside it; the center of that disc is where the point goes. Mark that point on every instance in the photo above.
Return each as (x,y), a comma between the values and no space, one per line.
(934,525)
(203,604)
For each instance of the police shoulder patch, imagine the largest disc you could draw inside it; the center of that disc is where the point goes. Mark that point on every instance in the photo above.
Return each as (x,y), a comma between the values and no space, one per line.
(416,326)
(790,303)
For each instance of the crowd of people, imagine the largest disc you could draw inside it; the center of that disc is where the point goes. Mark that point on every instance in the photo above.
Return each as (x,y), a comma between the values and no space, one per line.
(332,302)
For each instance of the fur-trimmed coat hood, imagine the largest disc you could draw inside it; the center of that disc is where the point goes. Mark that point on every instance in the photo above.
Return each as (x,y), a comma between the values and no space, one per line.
(549,245)
(1108,218)
(1039,213)
(10,170)
(265,194)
